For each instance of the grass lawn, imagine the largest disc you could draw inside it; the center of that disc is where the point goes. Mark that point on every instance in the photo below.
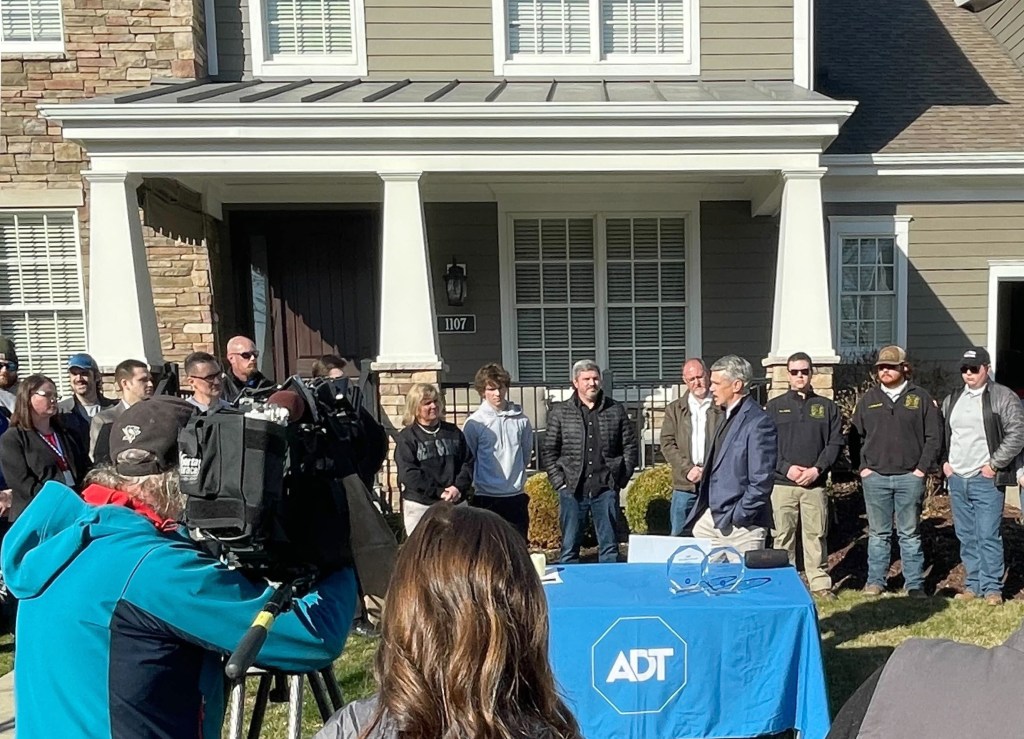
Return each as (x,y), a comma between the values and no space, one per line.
(857,634)
(6,653)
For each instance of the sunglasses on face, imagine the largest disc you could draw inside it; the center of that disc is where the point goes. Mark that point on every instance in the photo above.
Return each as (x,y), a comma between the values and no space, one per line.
(207,378)
(971,369)
(889,367)
(249,355)
(804,372)
(9,366)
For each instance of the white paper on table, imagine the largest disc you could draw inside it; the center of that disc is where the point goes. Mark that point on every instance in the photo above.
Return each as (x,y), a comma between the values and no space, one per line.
(650,549)
(553,576)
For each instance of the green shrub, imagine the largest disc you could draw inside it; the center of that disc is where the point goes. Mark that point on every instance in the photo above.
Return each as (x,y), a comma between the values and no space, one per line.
(545,532)
(649,501)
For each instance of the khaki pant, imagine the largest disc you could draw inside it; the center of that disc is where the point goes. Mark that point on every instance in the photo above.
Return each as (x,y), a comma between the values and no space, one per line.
(741,539)
(808,508)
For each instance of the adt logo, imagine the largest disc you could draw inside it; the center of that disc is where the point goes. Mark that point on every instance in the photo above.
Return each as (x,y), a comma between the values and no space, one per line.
(639,665)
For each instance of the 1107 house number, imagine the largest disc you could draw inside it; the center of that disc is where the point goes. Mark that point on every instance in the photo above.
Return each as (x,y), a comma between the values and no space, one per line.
(456,324)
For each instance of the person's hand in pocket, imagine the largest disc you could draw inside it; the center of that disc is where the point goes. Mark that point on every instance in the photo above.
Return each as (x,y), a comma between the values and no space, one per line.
(918,473)
(866,471)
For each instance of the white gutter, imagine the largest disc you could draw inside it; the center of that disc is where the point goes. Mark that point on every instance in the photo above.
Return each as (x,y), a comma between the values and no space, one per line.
(926,164)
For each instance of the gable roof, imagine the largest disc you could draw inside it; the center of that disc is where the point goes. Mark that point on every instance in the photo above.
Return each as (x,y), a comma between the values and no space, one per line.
(929,77)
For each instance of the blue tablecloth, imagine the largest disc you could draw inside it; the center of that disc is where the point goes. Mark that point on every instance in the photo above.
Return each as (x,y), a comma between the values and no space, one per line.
(633,660)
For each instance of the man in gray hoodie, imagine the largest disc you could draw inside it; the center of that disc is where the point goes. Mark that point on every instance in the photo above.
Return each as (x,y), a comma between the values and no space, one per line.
(501,438)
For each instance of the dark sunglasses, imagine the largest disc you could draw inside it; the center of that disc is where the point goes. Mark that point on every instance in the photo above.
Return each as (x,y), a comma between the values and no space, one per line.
(207,378)
(972,369)
(890,367)
(249,355)
(9,366)
(804,372)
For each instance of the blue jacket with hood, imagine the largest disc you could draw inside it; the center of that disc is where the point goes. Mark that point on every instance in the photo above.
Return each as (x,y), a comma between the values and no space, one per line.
(121,627)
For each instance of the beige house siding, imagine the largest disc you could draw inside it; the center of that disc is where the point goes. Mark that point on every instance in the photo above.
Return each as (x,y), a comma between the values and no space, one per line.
(444,38)
(746,39)
(467,232)
(737,255)
(1006,22)
(947,282)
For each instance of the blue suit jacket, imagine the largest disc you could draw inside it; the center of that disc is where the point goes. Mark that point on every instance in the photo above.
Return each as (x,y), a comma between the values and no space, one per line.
(737,485)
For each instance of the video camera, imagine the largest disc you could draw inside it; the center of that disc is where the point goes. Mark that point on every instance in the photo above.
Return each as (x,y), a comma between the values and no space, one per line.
(263,479)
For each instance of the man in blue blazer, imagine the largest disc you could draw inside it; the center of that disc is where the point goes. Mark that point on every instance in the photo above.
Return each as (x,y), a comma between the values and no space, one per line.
(734,502)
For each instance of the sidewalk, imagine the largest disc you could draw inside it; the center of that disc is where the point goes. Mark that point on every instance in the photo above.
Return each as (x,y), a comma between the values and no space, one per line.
(7,706)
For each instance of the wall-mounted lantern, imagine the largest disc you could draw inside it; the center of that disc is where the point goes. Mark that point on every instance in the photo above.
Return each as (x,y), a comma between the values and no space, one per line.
(455,283)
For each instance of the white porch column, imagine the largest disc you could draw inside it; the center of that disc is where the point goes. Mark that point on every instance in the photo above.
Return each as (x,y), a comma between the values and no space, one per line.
(122,318)
(801,320)
(408,329)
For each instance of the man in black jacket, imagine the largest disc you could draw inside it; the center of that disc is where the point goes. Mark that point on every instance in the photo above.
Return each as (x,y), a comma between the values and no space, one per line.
(241,373)
(810,440)
(87,401)
(894,438)
(589,453)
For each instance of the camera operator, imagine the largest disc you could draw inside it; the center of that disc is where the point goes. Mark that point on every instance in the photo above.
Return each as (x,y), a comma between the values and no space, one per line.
(124,620)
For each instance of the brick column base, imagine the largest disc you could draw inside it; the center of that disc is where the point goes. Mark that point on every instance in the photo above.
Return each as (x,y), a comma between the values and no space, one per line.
(394,381)
(778,379)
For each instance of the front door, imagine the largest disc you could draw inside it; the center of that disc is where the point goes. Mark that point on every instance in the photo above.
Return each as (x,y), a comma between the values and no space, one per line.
(320,272)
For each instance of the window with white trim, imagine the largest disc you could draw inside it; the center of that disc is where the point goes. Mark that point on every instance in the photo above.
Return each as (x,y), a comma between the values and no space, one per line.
(868,269)
(309,37)
(31,26)
(42,306)
(596,36)
(606,288)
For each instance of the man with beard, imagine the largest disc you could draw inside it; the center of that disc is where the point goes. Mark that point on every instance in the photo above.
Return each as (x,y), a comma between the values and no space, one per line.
(87,401)
(241,373)
(8,375)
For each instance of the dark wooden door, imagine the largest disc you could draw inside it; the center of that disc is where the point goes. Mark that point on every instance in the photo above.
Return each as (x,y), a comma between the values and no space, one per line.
(323,273)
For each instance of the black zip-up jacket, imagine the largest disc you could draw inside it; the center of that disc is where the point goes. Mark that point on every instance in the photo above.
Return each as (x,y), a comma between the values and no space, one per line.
(29,463)
(894,438)
(562,454)
(810,434)
(428,463)
(1003,418)
(233,387)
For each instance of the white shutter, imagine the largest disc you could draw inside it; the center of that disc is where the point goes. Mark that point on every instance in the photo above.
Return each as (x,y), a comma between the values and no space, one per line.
(41,303)
(555,311)
(643,27)
(309,27)
(646,281)
(552,27)
(30,20)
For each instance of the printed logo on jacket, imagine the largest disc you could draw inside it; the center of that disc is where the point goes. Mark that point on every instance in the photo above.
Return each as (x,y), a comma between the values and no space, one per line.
(639,665)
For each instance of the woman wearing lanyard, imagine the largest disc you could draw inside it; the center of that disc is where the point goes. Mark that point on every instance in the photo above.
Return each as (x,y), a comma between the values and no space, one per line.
(36,449)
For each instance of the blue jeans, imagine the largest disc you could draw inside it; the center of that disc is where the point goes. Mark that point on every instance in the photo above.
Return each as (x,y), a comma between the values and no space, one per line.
(572,514)
(682,504)
(884,497)
(977,513)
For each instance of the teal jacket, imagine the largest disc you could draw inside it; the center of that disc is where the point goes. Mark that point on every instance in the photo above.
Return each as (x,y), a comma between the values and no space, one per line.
(122,627)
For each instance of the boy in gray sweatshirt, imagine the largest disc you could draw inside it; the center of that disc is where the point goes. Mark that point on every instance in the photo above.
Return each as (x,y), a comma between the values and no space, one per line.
(501,439)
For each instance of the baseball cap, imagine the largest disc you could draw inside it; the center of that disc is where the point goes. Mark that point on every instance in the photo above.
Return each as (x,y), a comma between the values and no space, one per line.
(891,355)
(152,426)
(7,350)
(976,355)
(82,361)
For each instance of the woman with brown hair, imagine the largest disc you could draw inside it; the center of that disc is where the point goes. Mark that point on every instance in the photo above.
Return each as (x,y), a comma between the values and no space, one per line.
(37,448)
(464,647)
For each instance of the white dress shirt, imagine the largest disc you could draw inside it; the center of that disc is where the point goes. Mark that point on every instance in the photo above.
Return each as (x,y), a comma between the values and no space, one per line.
(699,426)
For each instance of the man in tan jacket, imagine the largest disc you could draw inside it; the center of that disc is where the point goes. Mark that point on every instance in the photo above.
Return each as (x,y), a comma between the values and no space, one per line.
(686,435)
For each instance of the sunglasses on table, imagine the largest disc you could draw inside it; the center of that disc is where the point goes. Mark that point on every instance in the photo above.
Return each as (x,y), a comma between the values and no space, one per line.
(890,367)
(971,369)
(797,372)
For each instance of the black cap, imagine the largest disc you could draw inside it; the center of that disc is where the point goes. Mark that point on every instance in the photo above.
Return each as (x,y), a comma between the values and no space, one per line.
(976,355)
(152,426)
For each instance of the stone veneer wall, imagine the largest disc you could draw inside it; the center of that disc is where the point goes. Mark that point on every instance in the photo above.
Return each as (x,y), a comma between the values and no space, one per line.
(111,46)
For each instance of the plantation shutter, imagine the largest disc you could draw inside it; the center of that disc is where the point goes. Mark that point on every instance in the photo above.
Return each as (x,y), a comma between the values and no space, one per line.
(554,295)
(310,27)
(643,27)
(549,27)
(646,278)
(41,303)
(30,20)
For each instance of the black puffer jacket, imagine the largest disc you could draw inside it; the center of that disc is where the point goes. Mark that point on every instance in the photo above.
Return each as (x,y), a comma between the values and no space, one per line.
(562,452)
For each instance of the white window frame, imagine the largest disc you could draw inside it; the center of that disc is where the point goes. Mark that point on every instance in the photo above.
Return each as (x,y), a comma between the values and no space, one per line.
(624,207)
(11,48)
(300,65)
(999,271)
(896,227)
(25,351)
(594,64)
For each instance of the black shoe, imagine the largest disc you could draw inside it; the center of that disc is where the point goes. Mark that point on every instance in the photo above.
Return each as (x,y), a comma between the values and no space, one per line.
(366,629)
(916,593)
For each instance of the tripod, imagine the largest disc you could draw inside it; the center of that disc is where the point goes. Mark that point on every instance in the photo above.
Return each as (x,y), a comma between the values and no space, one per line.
(279,687)
(239,665)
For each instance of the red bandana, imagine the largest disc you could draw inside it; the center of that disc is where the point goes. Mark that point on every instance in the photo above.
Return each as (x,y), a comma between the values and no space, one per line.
(99,495)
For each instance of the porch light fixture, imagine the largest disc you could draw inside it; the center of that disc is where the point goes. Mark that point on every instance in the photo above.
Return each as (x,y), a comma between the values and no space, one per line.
(455,283)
